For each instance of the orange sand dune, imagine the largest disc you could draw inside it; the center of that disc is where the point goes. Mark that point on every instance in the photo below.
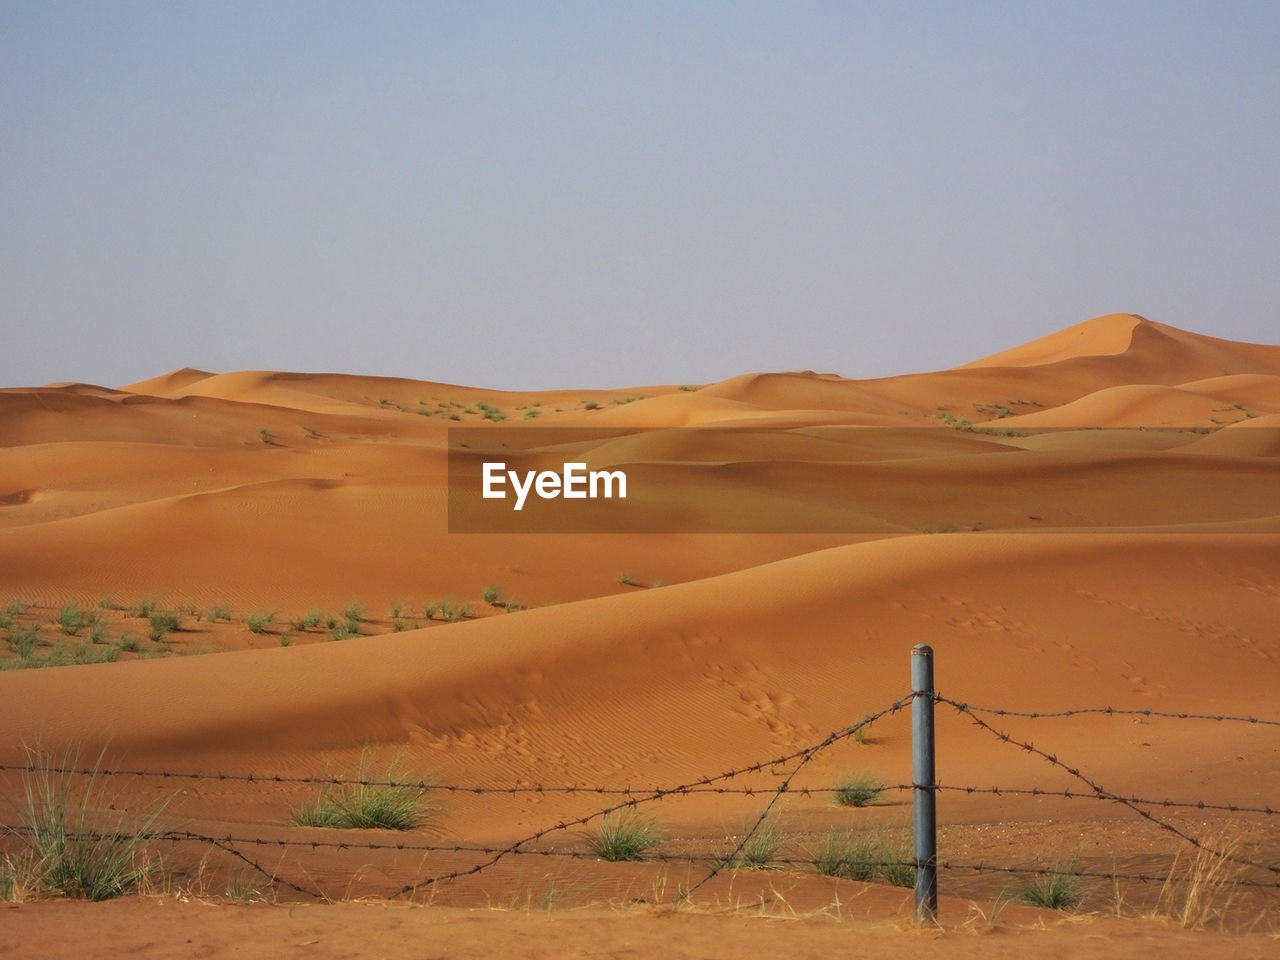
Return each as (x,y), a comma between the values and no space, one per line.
(1088,520)
(1135,344)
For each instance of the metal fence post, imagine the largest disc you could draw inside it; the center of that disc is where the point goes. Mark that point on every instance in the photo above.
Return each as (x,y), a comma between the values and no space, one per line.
(924,796)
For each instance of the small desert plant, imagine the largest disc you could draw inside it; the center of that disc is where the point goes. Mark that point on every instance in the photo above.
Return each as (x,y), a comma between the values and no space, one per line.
(129,642)
(1202,891)
(243,890)
(264,435)
(624,837)
(87,653)
(353,612)
(70,619)
(80,844)
(382,804)
(344,631)
(309,620)
(490,595)
(161,624)
(452,614)
(591,405)
(760,850)
(512,606)
(862,731)
(260,621)
(398,625)
(1057,890)
(285,640)
(14,607)
(866,857)
(98,632)
(847,856)
(628,579)
(429,610)
(147,607)
(858,791)
(397,610)
(217,612)
(23,642)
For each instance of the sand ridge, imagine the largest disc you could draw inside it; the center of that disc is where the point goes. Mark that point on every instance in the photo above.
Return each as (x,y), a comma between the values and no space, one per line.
(1090,519)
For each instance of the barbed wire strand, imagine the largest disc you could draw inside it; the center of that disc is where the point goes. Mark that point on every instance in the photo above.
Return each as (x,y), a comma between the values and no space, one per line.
(1118,712)
(720,859)
(800,757)
(1097,788)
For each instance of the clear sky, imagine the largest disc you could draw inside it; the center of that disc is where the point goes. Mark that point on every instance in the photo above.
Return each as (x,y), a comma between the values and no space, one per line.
(552,194)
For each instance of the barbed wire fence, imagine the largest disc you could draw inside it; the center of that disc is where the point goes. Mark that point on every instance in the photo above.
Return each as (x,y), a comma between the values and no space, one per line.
(784,769)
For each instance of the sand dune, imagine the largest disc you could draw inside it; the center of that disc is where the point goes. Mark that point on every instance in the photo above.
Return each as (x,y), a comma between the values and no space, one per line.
(1090,519)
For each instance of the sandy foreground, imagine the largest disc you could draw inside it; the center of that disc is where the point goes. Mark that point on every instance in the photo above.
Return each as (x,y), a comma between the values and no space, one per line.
(1090,520)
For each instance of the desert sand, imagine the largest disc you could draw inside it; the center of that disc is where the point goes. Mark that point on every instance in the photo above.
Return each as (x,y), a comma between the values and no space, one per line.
(1089,520)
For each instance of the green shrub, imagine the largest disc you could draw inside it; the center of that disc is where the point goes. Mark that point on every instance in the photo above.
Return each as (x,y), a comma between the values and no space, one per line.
(848,856)
(344,631)
(161,624)
(70,619)
(218,613)
(1057,890)
(858,791)
(23,642)
(625,837)
(760,850)
(259,622)
(308,620)
(147,607)
(490,595)
(866,857)
(79,843)
(373,803)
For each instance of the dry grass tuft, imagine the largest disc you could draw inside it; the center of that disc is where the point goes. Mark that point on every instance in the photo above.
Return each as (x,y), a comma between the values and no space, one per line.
(1203,890)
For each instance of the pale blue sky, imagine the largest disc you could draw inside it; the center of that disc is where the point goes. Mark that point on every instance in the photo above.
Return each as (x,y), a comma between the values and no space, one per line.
(530,194)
